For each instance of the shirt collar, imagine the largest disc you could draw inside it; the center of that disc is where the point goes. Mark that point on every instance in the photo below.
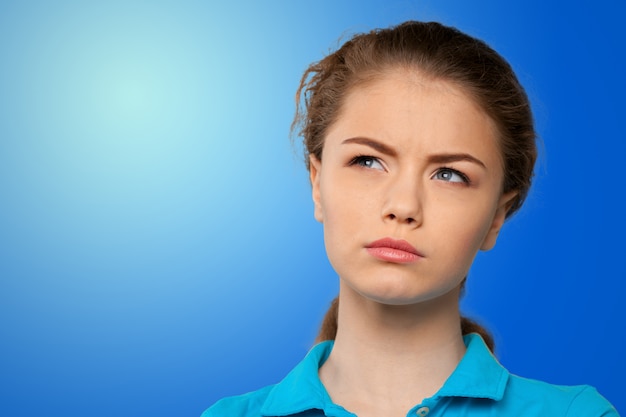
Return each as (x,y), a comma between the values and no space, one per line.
(478,375)
(301,389)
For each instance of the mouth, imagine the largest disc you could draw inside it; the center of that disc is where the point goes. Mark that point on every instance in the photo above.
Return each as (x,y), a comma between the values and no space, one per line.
(394,251)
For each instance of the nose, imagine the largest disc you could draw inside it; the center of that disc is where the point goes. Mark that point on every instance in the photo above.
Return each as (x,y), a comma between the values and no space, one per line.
(403,202)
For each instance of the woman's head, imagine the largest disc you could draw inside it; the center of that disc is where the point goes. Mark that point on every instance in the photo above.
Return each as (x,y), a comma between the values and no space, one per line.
(437,52)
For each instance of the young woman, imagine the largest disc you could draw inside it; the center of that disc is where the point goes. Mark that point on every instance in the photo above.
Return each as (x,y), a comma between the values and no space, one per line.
(420,144)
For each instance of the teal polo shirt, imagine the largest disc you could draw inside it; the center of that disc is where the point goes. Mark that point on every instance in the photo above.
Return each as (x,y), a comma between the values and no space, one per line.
(479,386)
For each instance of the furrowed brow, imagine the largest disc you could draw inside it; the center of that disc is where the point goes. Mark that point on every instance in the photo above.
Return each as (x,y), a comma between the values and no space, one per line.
(374,144)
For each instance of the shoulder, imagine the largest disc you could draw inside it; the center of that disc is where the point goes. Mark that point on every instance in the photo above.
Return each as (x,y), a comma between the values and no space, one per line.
(550,399)
(300,390)
(482,384)
(246,405)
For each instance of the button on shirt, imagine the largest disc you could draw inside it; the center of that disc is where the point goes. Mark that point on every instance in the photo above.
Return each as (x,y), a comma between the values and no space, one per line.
(479,386)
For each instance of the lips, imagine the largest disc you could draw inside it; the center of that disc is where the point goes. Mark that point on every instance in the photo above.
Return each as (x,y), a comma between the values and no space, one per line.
(394,251)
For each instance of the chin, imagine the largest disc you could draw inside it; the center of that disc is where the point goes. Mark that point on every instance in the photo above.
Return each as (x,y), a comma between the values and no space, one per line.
(398,295)
(401,300)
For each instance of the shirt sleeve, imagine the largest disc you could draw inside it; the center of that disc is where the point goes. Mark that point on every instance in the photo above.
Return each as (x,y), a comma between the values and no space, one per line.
(589,403)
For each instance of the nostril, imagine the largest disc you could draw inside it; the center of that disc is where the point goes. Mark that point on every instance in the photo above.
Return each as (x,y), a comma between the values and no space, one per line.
(392,216)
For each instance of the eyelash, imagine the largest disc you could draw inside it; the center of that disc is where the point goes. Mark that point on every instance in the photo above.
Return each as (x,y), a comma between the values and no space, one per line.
(360,160)
(464,177)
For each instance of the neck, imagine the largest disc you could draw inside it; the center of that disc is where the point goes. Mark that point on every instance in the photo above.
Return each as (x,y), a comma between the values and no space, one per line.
(393,356)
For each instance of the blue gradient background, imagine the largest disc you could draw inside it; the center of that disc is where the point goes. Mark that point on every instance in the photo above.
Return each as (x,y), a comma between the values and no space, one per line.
(157,244)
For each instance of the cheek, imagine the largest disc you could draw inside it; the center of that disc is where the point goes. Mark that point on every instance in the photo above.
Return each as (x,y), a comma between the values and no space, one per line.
(466,227)
(343,201)
(474,233)
(347,216)
(340,212)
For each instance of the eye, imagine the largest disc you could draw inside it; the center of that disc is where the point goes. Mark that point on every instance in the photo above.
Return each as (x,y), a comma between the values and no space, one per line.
(450,175)
(367,162)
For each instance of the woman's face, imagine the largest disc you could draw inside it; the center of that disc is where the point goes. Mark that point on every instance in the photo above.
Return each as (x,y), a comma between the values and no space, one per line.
(408,189)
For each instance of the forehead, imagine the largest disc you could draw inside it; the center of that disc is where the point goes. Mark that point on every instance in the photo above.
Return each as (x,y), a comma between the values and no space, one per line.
(411,110)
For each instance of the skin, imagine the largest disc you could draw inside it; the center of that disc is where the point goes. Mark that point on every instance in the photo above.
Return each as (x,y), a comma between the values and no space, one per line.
(413,159)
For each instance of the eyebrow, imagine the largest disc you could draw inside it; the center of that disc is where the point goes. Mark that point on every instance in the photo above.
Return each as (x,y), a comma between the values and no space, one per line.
(374,144)
(444,158)
(454,157)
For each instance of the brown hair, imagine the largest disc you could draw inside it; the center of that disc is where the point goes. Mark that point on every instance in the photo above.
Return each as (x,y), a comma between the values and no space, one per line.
(439,52)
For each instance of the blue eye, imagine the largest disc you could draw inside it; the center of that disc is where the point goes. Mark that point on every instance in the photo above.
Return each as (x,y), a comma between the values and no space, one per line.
(450,175)
(368,162)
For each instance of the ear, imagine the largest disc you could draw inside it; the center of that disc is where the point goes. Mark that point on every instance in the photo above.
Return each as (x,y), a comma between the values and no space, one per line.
(498,220)
(315,166)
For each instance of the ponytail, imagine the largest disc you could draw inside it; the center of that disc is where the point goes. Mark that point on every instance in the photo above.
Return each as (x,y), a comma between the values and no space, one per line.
(328,329)
(470,326)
